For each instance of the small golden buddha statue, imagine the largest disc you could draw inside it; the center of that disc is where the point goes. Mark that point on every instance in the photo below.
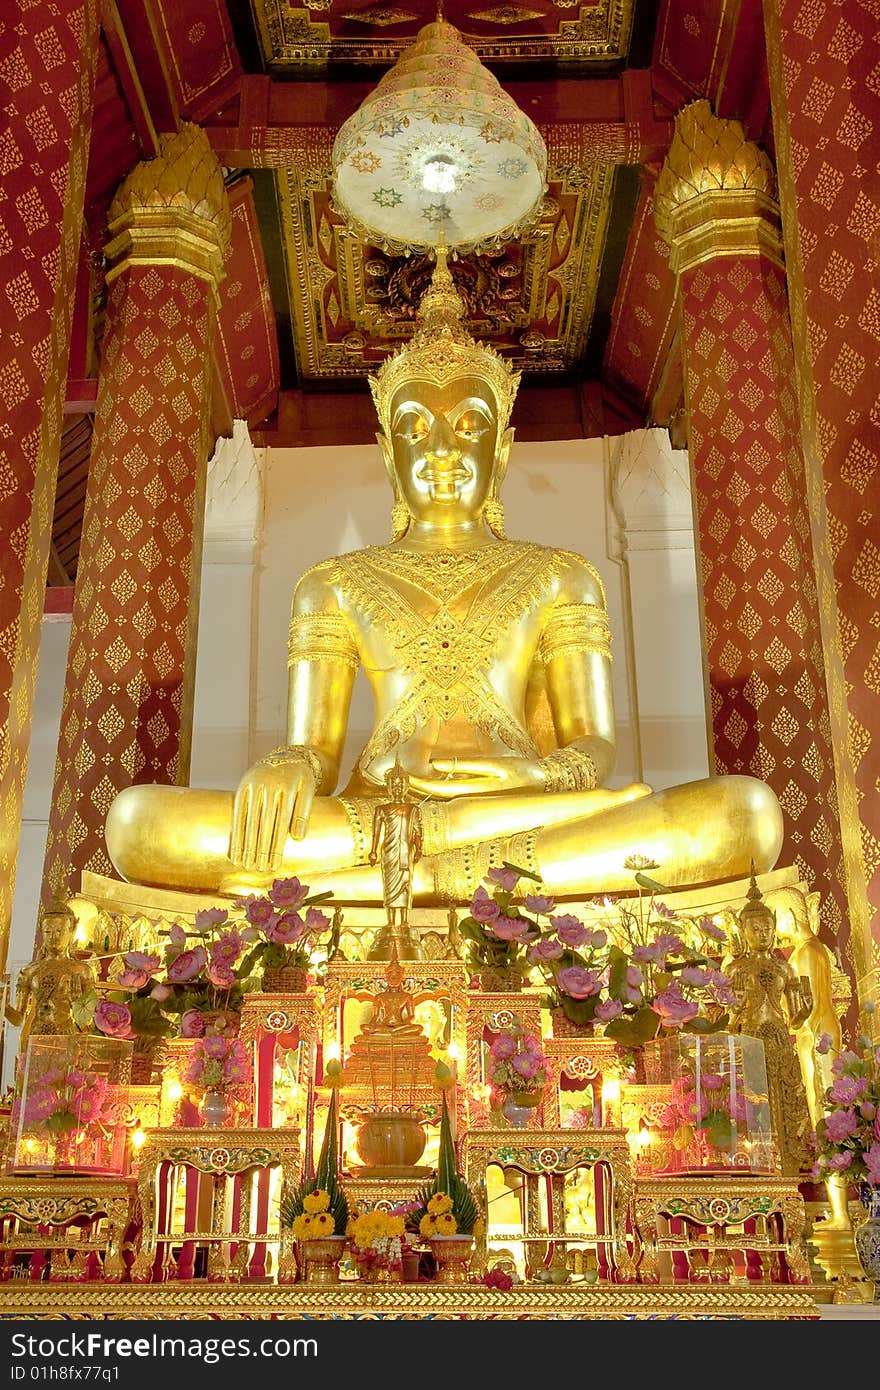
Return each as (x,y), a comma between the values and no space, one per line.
(51,983)
(489,661)
(391,1054)
(397,846)
(773,1002)
(393,1008)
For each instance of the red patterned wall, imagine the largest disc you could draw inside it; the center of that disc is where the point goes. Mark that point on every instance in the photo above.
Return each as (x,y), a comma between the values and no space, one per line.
(762,639)
(47,71)
(128,696)
(825,82)
(247,340)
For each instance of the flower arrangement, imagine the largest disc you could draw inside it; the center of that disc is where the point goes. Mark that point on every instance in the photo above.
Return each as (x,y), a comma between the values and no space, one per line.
(849,1135)
(318,1207)
(66,1100)
(218,1063)
(707,1107)
(446,1206)
(285,925)
(377,1238)
(517,1061)
(497,931)
(658,980)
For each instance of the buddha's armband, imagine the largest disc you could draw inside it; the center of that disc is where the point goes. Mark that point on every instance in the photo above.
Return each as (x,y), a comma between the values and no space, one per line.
(575,627)
(321,637)
(569,770)
(289,755)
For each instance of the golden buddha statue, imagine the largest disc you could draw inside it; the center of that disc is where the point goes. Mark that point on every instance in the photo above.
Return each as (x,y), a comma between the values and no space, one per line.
(397,847)
(772,1003)
(50,984)
(490,666)
(391,1054)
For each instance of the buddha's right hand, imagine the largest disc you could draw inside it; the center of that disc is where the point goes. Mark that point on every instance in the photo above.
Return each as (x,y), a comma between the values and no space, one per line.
(273,800)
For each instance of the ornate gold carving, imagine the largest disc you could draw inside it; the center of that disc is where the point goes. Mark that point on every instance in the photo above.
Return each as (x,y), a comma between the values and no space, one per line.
(442,350)
(569,770)
(173,210)
(576,627)
(716,192)
(321,637)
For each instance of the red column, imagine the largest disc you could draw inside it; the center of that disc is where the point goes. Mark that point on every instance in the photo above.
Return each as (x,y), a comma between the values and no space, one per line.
(762,649)
(824,61)
(47,71)
(128,698)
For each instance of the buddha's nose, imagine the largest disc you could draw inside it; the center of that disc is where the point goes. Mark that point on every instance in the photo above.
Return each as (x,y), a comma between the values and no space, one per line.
(441,445)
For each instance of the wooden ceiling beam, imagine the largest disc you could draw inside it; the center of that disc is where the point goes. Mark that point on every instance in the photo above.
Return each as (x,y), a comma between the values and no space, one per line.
(274,124)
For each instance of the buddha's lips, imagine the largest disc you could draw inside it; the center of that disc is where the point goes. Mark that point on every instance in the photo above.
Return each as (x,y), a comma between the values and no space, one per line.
(445,480)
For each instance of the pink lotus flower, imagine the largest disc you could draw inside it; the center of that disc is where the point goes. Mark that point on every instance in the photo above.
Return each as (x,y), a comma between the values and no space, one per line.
(841,1160)
(113,1019)
(505,878)
(132,979)
(867,1110)
(176,935)
(644,954)
(693,975)
(546,949)
(526,1065)
(503,1047)
(484,908)
(872,1164)
(192,1024)
(187,966)
(288,893)
(845,1060)
(839,1125)
(316,921)
(712,929)
(848,1089)
(287,930)
(569,930)
(578,983)
(215,1046)
(711,1081)
(661,910)
(539,903)
(634,976)
(511,929)
(258,911)
(160,992)
(669,943)
(221,974)
(140,961)
(825,1044)
(210,917)
(229,947)
(607,1009)
(674,1010)
(597,939)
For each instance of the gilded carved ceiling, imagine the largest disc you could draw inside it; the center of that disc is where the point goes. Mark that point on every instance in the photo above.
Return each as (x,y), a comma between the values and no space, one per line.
(533,300)
(296,36)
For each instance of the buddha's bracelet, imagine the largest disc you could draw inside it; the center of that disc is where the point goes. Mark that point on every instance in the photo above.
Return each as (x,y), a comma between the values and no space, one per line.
(569,770)
(288,755)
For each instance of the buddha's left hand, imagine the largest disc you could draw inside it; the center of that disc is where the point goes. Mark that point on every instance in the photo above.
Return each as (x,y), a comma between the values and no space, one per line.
(480,776)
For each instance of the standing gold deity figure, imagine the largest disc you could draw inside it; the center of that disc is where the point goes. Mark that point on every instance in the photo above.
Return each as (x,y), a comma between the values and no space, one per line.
(797,919)
(489,661)
(772,1003)
(397,846)
(51,983)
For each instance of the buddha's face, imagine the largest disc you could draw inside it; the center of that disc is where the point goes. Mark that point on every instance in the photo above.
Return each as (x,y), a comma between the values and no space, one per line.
(444,448)
(398,786)
(57,930)
(760,932)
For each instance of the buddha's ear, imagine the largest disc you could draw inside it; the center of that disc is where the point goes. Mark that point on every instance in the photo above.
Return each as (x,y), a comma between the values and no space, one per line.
(503,456)
(387,457)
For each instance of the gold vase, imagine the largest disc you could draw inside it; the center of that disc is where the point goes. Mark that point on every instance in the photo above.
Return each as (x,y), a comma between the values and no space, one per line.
(319,1259)
(287,979)
(391,1140)
(371,1272)
(453,1256)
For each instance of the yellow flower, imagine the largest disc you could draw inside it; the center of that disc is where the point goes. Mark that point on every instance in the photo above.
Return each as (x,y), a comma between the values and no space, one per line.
(317,1201)
(439,1203)
(302,1227)
(427,1226)
(446,1224)
(323,1224)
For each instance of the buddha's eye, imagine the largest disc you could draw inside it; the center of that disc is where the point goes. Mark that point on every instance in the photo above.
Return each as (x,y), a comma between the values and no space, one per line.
(471,425)
(412,428)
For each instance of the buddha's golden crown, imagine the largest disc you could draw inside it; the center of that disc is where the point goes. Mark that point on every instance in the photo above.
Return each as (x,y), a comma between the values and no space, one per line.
(441,350)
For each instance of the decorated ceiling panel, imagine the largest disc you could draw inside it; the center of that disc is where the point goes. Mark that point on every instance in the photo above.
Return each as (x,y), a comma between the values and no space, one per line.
(294,36)
(247,347)
(533,300)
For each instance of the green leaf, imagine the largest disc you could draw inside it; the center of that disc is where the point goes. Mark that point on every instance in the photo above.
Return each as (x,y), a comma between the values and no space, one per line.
(650,883)
(718,1129)
(619,962)
(83,1009)
(579,1010)
(250,960)
(704,1025)
(641,1028)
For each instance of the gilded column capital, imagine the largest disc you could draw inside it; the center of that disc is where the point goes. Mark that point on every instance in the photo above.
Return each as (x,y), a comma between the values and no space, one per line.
(173,210)
(716,194)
